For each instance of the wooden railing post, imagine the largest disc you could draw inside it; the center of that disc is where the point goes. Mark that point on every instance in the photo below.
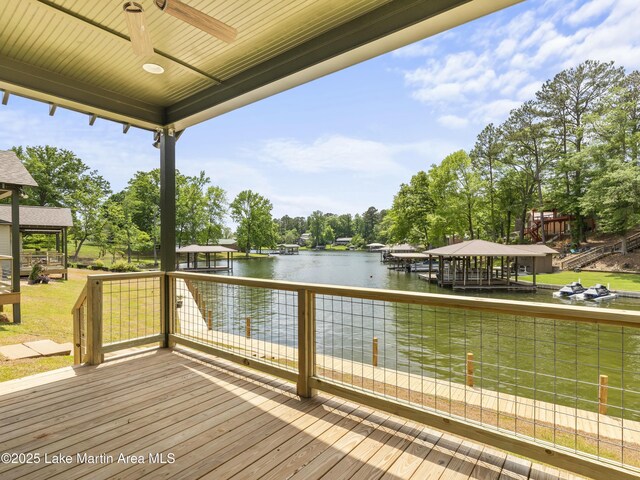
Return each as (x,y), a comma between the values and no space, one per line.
(94,321)
(306,342)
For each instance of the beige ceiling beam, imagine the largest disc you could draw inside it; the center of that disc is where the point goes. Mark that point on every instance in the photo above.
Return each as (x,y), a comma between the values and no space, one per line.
(39,84)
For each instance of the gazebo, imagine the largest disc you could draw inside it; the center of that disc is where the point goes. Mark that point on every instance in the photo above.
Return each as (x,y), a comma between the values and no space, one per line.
(288,249)
(13,177)
(38,220)
(471,265)
(192,252)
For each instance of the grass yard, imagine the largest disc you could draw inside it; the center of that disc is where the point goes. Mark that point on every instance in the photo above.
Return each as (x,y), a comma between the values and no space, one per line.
(46,314)
(629,282)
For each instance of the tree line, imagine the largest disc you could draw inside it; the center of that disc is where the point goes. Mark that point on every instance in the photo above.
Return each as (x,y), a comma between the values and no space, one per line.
(128,221)
(574,148)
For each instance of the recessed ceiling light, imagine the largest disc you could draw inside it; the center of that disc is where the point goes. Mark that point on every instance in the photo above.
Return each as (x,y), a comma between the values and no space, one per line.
(153,68)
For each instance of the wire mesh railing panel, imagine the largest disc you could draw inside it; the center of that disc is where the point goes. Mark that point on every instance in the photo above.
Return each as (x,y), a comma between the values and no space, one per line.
(131,308)
(573,385)
(253,322)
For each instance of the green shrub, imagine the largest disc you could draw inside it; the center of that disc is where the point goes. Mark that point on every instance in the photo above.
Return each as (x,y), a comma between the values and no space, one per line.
(122,266)
(36,270)
(98,265)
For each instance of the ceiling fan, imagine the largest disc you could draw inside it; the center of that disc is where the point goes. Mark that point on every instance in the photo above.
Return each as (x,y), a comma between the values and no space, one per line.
(139,34)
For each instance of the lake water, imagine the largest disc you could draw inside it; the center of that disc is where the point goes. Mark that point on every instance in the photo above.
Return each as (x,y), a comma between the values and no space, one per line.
(364,269)
(555,361)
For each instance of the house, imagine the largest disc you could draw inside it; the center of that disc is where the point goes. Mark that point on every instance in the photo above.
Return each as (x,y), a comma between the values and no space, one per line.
(554,224)
(228,243)
(342,241)
(304,239)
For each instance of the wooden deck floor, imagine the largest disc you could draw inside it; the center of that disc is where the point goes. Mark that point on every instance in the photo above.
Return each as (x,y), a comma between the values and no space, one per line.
(165,414)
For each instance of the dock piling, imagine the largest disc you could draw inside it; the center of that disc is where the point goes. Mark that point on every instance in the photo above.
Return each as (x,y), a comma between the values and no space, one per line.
(374,359)
(247,327)
(470,369)
(603,394)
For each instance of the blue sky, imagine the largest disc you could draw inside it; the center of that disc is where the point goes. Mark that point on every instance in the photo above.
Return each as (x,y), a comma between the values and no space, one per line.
(347,141)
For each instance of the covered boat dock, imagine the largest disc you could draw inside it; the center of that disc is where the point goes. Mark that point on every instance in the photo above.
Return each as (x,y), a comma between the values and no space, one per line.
(215,263)
(483,265)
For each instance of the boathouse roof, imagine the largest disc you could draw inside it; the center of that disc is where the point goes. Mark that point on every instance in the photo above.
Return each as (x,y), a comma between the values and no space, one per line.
(204,249)
(483,248)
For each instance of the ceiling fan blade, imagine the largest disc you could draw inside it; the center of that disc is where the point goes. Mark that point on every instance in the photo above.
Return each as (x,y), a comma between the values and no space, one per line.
(198,19)
(138,32)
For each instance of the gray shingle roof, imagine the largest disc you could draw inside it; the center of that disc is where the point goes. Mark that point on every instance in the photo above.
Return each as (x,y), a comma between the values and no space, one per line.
(32,216)
(13,172)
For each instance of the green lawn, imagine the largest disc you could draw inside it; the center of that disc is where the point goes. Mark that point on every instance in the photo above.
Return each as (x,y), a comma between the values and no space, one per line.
(46,314)
(617,281)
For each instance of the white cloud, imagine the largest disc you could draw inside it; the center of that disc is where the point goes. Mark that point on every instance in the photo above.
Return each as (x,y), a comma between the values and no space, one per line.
(504,64)
(303,205)
(528,92)
(495,111)
(506,47)
(453,121)
(588,11)
(330,154)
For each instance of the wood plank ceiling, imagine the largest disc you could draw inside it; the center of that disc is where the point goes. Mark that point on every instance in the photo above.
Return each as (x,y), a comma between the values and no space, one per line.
(77,54)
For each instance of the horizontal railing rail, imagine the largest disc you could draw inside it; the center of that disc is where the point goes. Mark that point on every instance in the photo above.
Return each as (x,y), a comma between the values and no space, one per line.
(47,258)
(552,311)
(556,383)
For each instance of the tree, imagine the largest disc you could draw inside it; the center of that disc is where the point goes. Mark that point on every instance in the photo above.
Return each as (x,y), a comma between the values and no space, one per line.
(614,197)
(412,207)
(316,227)
(567,102)
(86,206)
(291,236)
(486,156)
(144,201)
(370,219)
(358,225)
(328,236)
(617,130)
(214,210)
(345,226)
(252,212)
(191,207)
(530,151)
(57,172)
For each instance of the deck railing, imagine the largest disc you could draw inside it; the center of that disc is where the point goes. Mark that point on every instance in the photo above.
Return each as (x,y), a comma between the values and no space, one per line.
(45,258)
(556,383)
(121,311)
